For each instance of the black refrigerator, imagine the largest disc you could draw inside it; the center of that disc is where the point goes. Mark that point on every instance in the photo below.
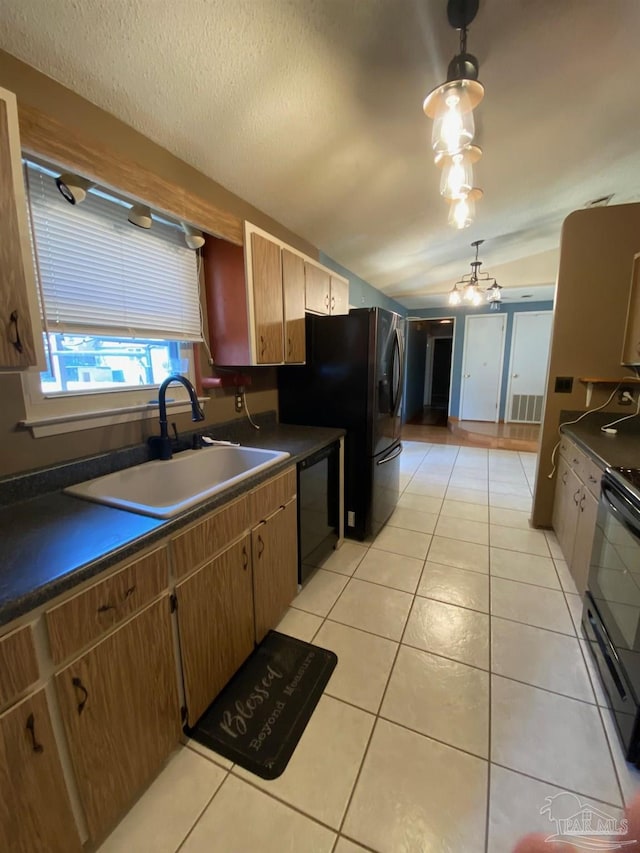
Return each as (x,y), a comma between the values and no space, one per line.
(353,378)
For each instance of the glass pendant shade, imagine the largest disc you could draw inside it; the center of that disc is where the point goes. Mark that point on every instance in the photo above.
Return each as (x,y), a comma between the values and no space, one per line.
(453,125)
(454,296)
(462,212)
(457,176)
(469,291)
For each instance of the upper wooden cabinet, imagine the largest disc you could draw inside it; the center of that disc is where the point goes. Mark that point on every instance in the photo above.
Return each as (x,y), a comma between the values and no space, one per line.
(265,286)
(294,305)
(257,297)
(255,301)
(18,301)
(326,293)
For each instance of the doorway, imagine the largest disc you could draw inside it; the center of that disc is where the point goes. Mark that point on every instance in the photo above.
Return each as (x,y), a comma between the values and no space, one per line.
(482,362)
(428,376)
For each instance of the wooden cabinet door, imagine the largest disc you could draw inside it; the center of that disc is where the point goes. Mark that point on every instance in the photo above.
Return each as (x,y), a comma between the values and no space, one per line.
(215,617)
(121,714)
(275,567)
(293,294)
(35,813)
(566,508)
(317,289)
(266,268)
(17,347)
(339,295)
(587,514)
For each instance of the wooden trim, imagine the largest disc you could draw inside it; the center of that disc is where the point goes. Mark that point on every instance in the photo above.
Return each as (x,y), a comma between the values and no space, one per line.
(73,149)
(18,663)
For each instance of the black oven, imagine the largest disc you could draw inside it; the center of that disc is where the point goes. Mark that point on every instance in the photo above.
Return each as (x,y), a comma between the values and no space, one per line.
(318,508)
(611,615)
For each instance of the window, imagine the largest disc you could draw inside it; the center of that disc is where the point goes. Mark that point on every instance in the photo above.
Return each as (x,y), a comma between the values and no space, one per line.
(119,304)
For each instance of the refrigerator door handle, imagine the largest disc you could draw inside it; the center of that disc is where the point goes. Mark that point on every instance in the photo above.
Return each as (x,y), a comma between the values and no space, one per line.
(396,393)
(392,457)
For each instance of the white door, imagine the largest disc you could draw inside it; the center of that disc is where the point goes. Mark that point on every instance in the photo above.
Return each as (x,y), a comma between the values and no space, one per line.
(528,366)
(482,367)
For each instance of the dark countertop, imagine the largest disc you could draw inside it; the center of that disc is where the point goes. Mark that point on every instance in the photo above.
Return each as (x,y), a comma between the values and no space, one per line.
(622,449)
(53,542)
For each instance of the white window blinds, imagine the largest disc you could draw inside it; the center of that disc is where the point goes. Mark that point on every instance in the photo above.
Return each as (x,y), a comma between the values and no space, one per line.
(100,275)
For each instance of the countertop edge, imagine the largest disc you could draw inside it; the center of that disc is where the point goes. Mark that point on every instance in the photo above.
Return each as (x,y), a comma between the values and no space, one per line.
(278,438)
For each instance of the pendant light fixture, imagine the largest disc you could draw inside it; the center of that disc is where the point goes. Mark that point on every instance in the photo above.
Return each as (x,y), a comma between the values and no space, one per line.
(451,107)
(470,288)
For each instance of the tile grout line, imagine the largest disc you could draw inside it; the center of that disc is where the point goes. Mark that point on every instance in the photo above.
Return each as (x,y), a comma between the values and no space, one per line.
(377,716)
(197,820)
(488,805)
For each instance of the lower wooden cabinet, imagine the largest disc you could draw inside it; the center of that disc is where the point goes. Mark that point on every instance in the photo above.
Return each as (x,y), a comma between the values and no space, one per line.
(575,509)
(274,546)
(566,507)
(585,528)
(35,814)
(121,714)
(215,619)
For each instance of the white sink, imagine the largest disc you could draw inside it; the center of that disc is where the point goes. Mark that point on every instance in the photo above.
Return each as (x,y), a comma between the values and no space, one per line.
(165,488)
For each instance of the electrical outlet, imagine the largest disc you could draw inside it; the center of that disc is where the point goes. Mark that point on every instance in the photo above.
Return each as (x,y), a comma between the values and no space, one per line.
(625,397)
(238,402)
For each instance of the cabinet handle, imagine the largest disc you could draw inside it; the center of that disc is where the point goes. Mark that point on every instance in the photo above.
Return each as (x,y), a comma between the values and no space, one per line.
(582,500)
(245,559)
(129,592)
(326,301)
(260,546)
(333,302)
(289,347)
(15,337)
(105,607)
(564,479)
(80,686)
(575,461)
(592,479)
(263,345)
(31,728)
(575,496)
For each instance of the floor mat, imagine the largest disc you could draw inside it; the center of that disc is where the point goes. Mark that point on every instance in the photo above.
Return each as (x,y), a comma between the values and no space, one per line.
(260,715)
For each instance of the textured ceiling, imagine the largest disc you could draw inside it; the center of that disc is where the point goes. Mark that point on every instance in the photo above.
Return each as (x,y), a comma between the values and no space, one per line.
(311,110)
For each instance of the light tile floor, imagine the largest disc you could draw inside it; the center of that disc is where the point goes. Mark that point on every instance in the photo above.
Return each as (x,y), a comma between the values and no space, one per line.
(463,696)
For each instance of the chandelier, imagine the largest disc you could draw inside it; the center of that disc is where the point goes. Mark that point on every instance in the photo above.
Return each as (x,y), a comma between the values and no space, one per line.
(471,287)
(451,107)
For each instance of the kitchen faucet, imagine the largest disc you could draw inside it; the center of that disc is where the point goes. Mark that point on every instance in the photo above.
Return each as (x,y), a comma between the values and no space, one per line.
(162,442)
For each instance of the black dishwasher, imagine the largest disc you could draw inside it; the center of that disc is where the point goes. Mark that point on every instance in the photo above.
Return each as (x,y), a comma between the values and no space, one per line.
(318,508)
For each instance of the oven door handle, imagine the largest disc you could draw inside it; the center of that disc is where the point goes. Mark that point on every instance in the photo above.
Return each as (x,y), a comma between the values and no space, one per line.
(607,649)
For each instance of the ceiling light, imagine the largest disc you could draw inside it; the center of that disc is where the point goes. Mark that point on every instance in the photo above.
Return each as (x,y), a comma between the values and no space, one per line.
(463,210)
(192,237)
(451,106)
(472,285)
(140,215)
(494,297)
(454,295)
(457,172)
(73,188)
